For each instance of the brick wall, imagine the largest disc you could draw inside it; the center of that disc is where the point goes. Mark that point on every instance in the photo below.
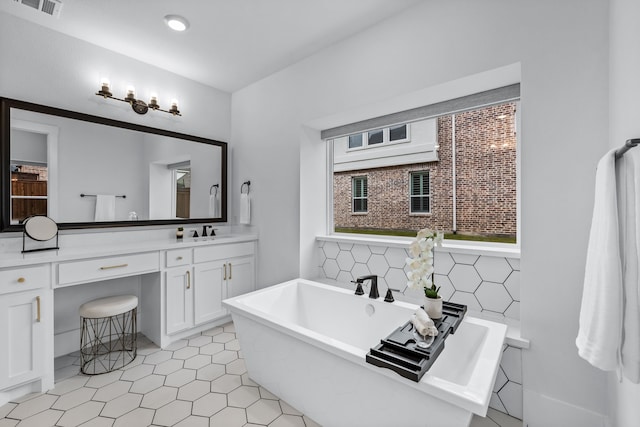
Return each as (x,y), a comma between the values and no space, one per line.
(485,172)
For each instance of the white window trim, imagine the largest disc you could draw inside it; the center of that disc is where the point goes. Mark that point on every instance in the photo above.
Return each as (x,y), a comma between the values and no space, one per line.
(507,250)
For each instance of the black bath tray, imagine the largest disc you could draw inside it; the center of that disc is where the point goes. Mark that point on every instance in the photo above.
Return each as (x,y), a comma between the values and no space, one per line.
(400,353)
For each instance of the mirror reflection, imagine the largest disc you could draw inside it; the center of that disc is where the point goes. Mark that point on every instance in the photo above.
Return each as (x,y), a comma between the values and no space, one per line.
(77,171)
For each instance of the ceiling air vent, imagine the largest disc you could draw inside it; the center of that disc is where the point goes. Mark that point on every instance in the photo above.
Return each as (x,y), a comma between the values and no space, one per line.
(50,7)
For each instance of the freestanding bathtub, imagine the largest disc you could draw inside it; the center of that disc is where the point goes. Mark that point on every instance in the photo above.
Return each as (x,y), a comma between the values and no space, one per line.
(306,342)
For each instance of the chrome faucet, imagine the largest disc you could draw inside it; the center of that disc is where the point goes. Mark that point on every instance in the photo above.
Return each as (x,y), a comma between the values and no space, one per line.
(373,291)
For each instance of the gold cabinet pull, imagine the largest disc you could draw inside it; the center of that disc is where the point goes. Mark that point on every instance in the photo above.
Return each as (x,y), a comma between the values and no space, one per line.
(38,308)
(109,267)
(225,272)
(188,279)
(21,280)
(229,271)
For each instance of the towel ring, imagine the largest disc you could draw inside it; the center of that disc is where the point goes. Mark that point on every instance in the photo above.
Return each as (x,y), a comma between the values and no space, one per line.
(212,187)
(248,184)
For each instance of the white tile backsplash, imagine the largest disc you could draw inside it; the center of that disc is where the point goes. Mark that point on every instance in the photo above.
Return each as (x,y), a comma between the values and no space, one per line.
(486,282)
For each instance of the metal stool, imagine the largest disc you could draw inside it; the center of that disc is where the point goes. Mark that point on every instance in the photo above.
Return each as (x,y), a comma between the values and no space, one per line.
(108,339)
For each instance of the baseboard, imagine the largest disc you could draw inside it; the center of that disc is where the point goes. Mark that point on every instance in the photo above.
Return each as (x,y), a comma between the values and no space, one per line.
(545,411)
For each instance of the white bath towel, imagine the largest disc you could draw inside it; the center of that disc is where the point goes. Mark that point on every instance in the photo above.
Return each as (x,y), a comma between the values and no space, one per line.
(628,180)
(600,325)
(214,206)
(105,207)
(245,209)
(423,323)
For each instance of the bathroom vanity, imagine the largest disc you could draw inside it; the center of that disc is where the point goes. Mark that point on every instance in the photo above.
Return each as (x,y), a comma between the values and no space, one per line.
(181,284)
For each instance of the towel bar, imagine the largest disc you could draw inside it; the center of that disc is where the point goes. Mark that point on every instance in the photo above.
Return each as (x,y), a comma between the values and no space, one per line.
(124,196)
(628,145)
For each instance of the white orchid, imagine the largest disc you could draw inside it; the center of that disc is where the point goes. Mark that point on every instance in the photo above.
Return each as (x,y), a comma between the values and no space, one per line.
(421,261)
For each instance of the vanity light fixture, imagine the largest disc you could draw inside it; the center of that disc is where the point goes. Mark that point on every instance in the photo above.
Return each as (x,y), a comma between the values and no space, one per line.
(137,105)
(176,22)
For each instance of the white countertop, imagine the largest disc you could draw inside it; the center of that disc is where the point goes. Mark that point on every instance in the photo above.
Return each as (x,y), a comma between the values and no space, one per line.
(16,258)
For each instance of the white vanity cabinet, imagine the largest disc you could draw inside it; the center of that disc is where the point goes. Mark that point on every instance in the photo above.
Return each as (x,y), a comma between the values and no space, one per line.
(197,282)
(208,294)
(232,265)
(180,285)
(241,277)
(25,299)
(179,299)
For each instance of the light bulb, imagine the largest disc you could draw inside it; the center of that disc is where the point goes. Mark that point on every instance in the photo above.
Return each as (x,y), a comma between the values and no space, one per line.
(176,22)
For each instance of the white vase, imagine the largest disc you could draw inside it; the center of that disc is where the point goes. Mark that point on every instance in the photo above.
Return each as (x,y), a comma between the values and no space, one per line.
(433,307)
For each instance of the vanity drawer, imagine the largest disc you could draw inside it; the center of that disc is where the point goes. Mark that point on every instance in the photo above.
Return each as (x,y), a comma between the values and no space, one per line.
(92,270)
(217,252)
(24,278)
(178,257)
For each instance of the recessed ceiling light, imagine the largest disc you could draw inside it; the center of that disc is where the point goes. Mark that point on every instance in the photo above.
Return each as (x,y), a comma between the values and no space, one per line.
(176,22)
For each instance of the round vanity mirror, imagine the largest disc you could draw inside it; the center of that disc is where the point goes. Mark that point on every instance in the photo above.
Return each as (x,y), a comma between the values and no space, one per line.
(41,228)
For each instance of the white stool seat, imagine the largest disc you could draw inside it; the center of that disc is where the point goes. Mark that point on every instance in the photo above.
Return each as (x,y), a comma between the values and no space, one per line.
(110,306)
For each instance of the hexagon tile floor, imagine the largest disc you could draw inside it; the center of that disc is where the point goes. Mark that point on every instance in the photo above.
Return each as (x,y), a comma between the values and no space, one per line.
(200,381)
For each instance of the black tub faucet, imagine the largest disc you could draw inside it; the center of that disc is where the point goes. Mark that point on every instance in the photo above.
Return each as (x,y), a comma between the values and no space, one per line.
(359,290)
(373,291)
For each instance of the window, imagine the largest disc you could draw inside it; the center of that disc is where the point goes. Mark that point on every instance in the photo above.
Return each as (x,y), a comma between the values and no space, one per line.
(376,137)
(398,133)
(420,192)
(355,141)
(453,172)
(359,185)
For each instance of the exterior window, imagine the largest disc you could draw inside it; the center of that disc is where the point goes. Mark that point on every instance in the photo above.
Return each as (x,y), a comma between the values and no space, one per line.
(355,141)
(359,185)
(456,173)
(376,137)
(397,133)
(420,192)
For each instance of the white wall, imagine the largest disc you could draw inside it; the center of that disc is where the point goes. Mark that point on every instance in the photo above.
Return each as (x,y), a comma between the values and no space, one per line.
(562,48)
(624,111)
(46,67)
(29,146)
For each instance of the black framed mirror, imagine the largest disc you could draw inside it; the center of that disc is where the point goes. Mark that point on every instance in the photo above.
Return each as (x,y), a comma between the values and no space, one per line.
(86,171)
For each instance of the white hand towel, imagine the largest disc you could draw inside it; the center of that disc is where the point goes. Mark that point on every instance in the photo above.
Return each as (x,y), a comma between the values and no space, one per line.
(600,324)
(628,168)
(105,207)
(423,323)
(245,209)
(214,206)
